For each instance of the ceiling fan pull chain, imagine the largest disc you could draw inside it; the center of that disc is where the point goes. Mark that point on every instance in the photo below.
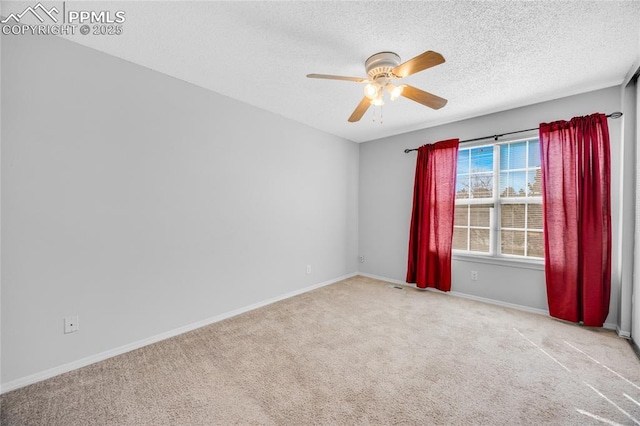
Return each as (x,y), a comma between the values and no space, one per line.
(374,114)
(381,112)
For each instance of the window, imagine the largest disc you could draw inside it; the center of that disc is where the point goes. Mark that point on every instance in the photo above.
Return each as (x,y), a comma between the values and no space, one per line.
(499,200)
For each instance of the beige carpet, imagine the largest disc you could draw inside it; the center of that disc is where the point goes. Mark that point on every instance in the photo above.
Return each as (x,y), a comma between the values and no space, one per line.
(356,352)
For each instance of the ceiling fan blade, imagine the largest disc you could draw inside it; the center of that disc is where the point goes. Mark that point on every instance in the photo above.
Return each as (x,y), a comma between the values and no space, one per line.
(337,77)
(421,62)
(422,97)
(362,107)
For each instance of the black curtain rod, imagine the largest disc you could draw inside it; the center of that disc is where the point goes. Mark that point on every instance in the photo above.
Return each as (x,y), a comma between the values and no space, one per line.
(613,115)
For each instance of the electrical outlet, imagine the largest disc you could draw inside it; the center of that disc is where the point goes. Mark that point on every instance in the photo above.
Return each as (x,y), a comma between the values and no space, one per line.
(474,275)
(308,269)
(71,324)
(361,259)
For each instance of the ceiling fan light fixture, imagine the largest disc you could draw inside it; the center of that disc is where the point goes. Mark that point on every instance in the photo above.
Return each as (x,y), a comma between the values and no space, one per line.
(377,101)
(371,90)
(394,91)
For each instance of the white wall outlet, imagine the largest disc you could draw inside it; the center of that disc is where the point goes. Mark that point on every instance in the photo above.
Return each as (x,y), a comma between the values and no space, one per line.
(308,269)
(474,275)
(71,324)
(361,259)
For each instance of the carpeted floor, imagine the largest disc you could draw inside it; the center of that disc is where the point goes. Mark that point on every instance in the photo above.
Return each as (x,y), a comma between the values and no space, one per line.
(356,352)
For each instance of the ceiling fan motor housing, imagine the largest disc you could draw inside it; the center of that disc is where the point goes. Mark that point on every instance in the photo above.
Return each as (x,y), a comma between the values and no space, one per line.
(380,65)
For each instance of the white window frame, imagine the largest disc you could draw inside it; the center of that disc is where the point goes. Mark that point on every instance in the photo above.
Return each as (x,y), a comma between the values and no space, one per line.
(495,256)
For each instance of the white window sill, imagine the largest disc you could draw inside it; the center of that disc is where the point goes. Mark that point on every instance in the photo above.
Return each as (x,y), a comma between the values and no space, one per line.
(501,261)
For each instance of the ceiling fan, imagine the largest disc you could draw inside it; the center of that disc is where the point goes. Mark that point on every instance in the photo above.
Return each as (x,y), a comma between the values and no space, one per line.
(384,67)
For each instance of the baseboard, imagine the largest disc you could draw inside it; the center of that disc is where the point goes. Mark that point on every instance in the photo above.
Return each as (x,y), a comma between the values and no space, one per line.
(463,295)
(544,312)
(635,347)
(74,365)
(621,333)
(389,280)
(501,303)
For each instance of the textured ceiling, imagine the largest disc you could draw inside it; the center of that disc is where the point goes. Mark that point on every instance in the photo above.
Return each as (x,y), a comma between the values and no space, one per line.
(499,55)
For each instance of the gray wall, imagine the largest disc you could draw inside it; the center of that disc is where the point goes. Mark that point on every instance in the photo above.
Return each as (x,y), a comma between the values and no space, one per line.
(628,210)
(143,204)
(386,190)
(635,125)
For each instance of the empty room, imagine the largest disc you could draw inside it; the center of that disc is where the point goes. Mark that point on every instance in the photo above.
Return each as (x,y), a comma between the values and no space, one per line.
(319,212)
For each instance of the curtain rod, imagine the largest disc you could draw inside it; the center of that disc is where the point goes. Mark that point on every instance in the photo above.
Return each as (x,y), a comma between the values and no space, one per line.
(613,115)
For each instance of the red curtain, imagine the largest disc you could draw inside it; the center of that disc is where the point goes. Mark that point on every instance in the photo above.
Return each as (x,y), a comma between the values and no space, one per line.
(431,232)
(577,218)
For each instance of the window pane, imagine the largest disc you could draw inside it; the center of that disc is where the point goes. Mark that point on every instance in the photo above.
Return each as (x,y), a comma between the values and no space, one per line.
(518,155)
(460,238)
(504,156)
(512,242)
(461,217)
(479,214)
(517,180)
(462,186)
(534,153)
(535,244)
(504,185)
(482,159)
(534,216)
(463,161)
(513,184)
(512,215)
(481,185)
(479,240)
(534,183)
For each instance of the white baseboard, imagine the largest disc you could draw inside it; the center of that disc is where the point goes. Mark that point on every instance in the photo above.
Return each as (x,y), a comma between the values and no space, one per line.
(621,333)
(74,365)
(635,346)
(389,280)
(608,326)
(463,295)
(501,303)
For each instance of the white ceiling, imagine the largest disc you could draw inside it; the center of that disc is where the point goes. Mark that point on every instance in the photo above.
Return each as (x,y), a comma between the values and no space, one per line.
(499,55)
